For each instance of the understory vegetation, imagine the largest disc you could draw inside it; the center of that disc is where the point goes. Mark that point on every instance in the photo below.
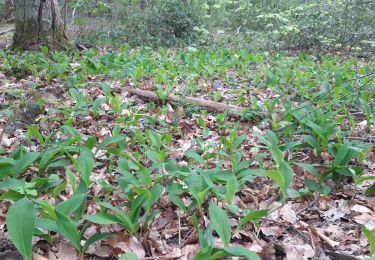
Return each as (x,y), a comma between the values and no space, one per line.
(91,150)
(191,129)
(346,25)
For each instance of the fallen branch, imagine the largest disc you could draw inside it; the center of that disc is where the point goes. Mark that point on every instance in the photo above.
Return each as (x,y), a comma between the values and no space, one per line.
(212,106)
(7,31)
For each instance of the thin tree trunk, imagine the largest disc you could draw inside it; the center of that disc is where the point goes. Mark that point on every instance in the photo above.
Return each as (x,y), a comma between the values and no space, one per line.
(38,23)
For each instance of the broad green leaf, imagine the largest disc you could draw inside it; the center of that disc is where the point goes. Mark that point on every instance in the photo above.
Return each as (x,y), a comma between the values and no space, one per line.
(220,222)
(232,188)
(103,218)
(370,237)
(69,206)
(308,167)
(11,195)
(155,138)
(196,157)
(156,192)
(240,251)
(253,215)
(6,166)
(135,207)
(46,224)
(277,154)
(310,140)
(110,141)
(85,166)
(95,238)
(24,163)
(47,207)
(75,203)
(277,177)
(239,140)
(12,184)
(68,229)
(20,222)
(287,173)
(129,256)
(125,220)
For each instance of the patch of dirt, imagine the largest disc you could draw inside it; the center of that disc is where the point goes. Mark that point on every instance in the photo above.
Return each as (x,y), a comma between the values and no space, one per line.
(8,250)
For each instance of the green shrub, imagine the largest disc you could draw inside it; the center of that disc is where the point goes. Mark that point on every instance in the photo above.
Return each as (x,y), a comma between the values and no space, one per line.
(296,23)
(174,21)
(162,23)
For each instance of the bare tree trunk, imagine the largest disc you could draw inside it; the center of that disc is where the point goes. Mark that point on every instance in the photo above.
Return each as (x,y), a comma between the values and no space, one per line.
(38,23)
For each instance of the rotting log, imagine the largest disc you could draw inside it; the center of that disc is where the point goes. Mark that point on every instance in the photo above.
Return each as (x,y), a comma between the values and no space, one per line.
(211,106)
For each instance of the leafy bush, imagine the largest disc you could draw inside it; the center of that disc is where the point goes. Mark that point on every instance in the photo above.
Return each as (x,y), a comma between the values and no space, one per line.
(163,23)
(174,21)
(310,24)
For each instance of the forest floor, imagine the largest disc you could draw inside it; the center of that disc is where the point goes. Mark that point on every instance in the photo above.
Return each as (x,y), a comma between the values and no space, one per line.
(83,96)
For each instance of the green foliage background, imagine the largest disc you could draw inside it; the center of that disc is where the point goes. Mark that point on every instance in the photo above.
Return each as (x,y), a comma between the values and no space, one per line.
(254,24)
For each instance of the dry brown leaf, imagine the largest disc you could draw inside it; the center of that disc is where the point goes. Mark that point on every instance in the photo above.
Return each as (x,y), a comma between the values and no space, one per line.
(121,243)
(189,251)
(361,209)
(65,251)
(37,256)
(302,252)
(366,219)
(288,214)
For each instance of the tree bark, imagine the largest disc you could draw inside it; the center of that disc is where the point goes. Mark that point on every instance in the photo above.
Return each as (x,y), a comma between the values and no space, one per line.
(38,23)
(8,10)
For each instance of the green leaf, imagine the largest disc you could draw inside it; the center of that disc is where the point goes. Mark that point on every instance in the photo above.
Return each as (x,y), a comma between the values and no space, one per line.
(310,140)
(232,188)
(239,140)
(68,229)
(24,163)
(371,238)
(129,256)
(125,220)
(11,195)
(85,166)
(109,141)
(196,157)
(253,215)
(20,222)
(69,206)
(75,202)
(155,138)
(46,224)
(240,251)
(220,222)
(135,207)
(93,239)
(308,167)
(278,178)
(287,173)
(103,218)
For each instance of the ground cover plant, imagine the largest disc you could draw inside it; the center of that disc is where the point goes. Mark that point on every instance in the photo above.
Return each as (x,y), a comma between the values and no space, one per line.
(90,170)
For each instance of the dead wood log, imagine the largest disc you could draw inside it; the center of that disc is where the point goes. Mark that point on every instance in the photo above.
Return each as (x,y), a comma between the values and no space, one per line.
(7,31)
(212,106)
